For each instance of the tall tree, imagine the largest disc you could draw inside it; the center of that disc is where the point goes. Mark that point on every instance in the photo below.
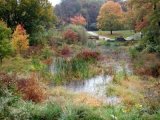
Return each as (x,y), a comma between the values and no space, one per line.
(30,13)
(5,46)
(109,16)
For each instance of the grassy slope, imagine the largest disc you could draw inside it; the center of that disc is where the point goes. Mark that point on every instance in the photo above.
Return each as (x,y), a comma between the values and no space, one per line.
(124,33)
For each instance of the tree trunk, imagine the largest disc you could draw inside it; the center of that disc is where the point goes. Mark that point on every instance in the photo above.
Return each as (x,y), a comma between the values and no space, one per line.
(0,61)
(111,31)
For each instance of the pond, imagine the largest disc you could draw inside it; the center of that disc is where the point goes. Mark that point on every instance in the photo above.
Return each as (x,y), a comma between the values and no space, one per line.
(97,86)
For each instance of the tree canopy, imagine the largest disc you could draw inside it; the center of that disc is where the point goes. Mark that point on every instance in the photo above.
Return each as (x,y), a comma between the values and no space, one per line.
(5,46)
(29,13)
(109,16)
(89,9)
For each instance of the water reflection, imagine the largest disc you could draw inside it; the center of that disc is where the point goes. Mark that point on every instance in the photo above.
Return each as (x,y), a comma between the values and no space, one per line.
(94,86)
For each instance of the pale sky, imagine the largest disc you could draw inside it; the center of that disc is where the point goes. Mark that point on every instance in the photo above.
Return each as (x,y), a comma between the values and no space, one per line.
(54,2)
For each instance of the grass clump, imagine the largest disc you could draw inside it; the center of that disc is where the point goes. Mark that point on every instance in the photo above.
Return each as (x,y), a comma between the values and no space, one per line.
(80,113)
(72,69)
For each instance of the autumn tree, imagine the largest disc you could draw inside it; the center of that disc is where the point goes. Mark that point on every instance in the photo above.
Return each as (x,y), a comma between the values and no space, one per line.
(109,16)
(148,22)
(5,46)
(78,20)
(20,40)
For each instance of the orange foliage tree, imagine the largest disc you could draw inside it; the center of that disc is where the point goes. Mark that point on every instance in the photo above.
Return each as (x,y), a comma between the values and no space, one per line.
(20,40)
(142,10)
(109,16)
(78,20)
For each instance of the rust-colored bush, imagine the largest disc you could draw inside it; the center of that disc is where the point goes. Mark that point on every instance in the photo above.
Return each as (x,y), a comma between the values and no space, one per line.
(31,90)
(89,55)
(151,66)
(66,51)
(70,35)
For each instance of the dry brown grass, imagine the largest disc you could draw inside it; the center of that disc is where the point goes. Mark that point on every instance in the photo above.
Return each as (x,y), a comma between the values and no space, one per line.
(31,89)
(128,90)
(87,100)
(62,96)
(150,65)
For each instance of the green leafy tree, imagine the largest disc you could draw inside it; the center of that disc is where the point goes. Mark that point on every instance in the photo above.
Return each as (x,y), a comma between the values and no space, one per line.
(30,13)
(5,46)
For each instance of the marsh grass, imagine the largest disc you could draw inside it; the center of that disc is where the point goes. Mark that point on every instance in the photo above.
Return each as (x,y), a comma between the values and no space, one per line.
(71,69)
(129,90)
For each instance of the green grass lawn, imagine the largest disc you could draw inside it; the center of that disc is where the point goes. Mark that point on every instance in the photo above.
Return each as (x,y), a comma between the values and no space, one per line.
(124,33)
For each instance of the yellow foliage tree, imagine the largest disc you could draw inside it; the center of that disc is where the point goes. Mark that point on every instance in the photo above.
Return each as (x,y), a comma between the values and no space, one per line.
(110,16)
(20,40)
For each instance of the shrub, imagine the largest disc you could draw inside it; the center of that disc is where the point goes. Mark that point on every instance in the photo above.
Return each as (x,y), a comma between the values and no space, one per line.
(42,35)
(89,55)
(151,38)
(31,89)
(8,99)
(70,36)
(80,31)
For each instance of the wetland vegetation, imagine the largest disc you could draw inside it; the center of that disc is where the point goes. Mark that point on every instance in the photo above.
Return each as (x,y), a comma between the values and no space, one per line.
(51,70)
